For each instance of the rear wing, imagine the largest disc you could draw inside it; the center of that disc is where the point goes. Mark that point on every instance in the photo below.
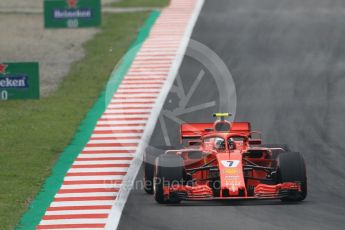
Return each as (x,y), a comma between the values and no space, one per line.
(241,127)
(196,130)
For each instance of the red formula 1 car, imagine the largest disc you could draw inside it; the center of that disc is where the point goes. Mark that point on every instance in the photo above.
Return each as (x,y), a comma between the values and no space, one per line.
(223,161)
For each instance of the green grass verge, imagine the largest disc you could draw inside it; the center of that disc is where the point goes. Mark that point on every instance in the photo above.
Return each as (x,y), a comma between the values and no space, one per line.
(34,133)
(141,3)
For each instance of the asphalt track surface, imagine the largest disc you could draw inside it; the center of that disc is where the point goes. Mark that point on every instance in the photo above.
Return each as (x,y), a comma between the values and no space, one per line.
(287,58)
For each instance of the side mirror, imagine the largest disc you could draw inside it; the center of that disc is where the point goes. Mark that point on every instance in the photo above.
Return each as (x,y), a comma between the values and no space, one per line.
(254,141)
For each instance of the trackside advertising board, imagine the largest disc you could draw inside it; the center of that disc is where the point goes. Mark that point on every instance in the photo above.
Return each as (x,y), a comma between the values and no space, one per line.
(72,13)
(19,81)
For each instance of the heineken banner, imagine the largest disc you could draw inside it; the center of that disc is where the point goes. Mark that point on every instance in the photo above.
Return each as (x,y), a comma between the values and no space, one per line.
(72,13)
(19,81)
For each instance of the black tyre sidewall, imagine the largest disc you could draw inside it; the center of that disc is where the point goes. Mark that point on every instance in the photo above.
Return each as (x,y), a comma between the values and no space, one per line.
(169,169)
(291,168)
(149,164)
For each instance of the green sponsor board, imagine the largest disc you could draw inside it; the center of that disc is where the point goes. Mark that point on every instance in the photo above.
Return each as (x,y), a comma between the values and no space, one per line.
(19,81)
(72,13)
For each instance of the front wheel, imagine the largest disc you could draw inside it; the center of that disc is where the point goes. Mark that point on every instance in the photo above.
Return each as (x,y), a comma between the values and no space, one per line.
(169,170)
(291,168)
(149,164)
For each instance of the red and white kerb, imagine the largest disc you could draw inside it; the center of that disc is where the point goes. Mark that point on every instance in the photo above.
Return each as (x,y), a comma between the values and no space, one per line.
(91,186)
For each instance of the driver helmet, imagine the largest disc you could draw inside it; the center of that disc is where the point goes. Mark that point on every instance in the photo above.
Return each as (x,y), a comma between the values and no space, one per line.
(219,144)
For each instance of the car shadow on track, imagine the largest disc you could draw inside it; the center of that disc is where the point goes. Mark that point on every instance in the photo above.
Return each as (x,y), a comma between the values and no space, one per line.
(239,203)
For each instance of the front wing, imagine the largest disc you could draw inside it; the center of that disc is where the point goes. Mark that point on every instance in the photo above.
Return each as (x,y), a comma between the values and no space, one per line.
(204,192)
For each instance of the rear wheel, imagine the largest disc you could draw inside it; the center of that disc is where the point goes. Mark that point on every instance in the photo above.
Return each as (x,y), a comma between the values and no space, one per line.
(169,170)
(149,164)
(291,168)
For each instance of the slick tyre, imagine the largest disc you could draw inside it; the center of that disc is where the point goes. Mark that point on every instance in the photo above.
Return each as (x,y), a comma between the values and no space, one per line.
(149,165)
(169,170)
(291,168)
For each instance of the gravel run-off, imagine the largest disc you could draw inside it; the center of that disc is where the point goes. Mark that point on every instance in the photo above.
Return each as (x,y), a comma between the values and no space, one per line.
(24,39)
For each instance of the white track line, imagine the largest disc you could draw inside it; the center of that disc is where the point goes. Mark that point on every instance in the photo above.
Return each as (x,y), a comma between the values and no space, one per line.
(92,194)
(86,178)
(72,229)
(120,112)
(139,127)
(131,100)
(82,203)
(81,156)
(73,221)
(115,135)
(113,141)
(100,163)
(89,186)
(124,116)
(109,148)
(71,212)
(123,105)
(108,169)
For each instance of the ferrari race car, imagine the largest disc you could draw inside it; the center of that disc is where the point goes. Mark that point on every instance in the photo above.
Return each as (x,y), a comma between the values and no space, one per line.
(221,161)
